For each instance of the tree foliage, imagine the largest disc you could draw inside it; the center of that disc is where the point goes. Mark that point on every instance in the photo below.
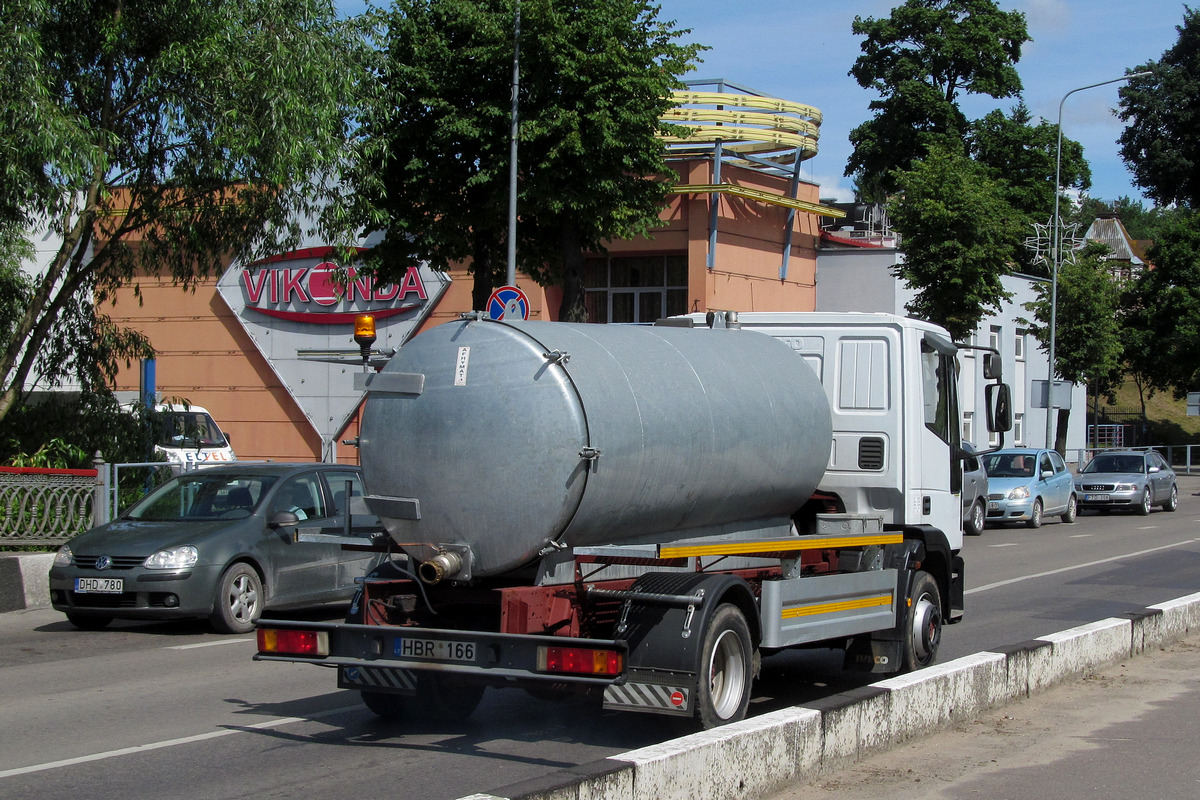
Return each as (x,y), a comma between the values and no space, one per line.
(157,137)
(1162,112)
(1164,307)
(433,169)
(958,237)
(921,59)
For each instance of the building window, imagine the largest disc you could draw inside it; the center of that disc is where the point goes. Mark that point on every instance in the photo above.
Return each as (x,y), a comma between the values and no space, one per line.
(635,288)
(994,339)
(1019,429)
(968,426)
(1019,346)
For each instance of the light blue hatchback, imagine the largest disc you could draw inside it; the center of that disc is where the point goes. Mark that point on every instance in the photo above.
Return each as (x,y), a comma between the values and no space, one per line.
(1028,484)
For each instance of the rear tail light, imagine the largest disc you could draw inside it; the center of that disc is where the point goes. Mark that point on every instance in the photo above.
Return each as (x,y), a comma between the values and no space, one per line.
(293,643)
(580,661)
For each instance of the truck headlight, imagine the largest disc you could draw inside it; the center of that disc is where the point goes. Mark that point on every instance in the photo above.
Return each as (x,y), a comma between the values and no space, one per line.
(1019,493)
(173,558)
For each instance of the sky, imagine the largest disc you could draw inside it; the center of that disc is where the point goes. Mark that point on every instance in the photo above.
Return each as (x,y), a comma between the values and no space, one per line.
(802,50)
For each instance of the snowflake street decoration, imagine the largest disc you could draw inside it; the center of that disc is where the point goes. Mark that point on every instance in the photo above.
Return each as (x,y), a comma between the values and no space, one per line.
(1042,242)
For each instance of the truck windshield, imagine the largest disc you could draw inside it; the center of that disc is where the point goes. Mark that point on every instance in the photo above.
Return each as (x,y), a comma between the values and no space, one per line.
(203,496)
(190,429)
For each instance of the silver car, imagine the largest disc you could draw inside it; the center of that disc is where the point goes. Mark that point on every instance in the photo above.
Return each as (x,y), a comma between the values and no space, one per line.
(1133,480)
(974,493)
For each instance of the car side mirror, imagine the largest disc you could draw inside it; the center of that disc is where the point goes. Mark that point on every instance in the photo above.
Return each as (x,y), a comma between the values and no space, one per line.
(1047,473)
(1153,470)
(283,519)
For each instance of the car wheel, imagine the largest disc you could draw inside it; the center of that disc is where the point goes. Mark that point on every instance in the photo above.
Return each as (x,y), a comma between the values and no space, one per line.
(1172,499)
(975,519)
(1035,514)
(238,604)
(88,622)
(1143,506)
(1072,511)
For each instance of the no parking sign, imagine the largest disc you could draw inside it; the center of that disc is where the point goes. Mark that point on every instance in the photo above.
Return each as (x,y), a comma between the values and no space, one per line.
(508,302)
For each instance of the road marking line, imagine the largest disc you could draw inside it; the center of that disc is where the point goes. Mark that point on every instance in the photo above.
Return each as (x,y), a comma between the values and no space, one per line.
(208,644)
(998,584)
(145,748)
(1081,535)
(1006,544)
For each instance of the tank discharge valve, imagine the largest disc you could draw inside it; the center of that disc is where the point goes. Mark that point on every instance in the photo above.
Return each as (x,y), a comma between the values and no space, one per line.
(442,566)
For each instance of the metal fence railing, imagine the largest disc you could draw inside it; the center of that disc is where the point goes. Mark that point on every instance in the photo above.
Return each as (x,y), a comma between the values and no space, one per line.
(46,507)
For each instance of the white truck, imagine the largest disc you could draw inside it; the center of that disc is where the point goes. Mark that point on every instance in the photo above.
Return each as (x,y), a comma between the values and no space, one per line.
(189,435)
(641,512)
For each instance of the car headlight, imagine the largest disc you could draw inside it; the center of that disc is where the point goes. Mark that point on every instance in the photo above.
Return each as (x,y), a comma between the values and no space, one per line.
(63,557)
(173,558)
(1019,493)
(1125,487)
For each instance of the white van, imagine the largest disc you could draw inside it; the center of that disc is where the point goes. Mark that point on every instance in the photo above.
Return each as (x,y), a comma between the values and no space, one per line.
(190,435)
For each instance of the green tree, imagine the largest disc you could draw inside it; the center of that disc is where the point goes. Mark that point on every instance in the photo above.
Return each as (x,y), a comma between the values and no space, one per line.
(159,137)
(1162,112)
(920,59)
(1163,307)
(958,234)
(433,165)
(1088,341)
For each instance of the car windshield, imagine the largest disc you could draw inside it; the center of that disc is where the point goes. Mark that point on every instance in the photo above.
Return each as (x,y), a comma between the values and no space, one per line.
(190,429)
(1113,463)
(203,496)
(1010,465)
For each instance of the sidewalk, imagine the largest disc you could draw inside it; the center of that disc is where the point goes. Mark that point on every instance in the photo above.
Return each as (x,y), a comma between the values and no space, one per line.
(1128,730)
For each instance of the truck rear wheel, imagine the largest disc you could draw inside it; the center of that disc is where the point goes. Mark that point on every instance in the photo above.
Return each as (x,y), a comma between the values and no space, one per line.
(923,623)
(726,669)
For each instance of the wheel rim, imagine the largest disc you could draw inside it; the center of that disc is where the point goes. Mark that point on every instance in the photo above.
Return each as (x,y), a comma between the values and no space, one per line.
(1146,501)
(926,630)
(1037,512)
(977,518)
(727,674)
(243,599)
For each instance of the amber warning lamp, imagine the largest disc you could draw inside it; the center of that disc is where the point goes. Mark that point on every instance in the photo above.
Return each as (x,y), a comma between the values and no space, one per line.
(364,335)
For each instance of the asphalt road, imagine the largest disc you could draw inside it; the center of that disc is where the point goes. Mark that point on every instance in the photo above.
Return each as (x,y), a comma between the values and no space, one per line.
(152,710)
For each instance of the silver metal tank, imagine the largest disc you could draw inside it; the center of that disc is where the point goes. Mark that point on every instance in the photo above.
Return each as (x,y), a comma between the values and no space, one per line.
(506,438)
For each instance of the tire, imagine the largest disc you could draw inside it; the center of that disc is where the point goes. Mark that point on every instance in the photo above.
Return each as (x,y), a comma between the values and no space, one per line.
(239,600)
(1172,502)
(88,622)
(1072,511)
(1143,507)
(726,669)
(437,698)
(922,623)
(386,706)
(975,520)
(1035,515)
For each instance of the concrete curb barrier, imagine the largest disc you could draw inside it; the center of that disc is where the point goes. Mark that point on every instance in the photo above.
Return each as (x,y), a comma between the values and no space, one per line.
(763,754)
(24,580)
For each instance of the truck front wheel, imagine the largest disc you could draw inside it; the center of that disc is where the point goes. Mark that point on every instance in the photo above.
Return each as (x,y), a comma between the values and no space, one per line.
(923,623)
(726,669)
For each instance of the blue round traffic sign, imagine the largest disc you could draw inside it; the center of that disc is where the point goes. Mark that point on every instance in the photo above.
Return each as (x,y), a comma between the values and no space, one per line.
(508,302)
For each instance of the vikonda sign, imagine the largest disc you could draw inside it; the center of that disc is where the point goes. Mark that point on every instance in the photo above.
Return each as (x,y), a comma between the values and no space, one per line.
(291,303)
(300,286)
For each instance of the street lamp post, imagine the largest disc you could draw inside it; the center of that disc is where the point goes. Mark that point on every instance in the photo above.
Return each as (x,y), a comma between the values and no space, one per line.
(1056,251)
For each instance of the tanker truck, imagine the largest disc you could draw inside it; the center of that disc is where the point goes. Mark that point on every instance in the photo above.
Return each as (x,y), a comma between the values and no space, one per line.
(640,513)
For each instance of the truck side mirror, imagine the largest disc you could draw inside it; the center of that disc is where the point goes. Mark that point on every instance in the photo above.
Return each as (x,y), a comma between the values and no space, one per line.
(998,399)
(993,367)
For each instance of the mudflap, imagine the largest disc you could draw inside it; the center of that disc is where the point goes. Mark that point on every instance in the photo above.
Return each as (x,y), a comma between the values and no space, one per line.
(869,654)
(665,638)
(378,679)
